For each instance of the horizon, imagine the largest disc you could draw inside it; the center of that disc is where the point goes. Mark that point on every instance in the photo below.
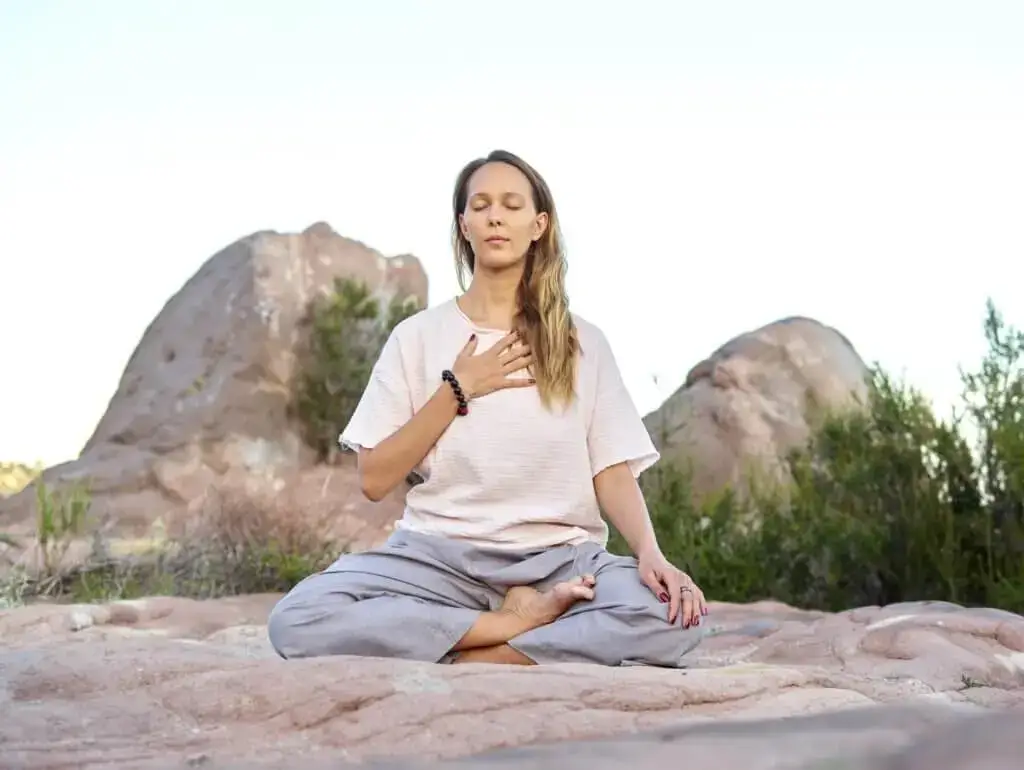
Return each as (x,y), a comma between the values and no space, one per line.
(860,166)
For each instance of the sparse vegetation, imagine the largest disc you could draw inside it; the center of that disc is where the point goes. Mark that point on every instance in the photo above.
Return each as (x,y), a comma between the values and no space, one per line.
(239,542)
(347,329)
(61,517)
(888,506)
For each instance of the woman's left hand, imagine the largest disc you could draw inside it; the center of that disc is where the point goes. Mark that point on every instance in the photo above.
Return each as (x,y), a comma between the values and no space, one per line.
(672,585)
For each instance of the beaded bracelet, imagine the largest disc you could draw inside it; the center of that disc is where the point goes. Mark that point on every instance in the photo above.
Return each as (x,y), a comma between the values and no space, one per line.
(449,377)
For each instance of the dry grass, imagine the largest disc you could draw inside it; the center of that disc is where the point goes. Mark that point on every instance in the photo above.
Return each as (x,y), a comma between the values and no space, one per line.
(234,541)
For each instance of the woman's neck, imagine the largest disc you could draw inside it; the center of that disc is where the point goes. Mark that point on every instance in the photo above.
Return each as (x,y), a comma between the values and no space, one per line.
(491,300)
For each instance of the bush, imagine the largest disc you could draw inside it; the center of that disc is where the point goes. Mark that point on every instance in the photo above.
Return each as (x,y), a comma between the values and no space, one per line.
(238,542)
(888,506)
(347,330)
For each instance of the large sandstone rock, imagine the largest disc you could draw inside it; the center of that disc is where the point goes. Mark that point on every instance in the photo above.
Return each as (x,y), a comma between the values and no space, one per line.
(743,409)
(175,683)
(204,398)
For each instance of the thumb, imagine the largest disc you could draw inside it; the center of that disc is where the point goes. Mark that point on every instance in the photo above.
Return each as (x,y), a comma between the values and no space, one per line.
(651,580)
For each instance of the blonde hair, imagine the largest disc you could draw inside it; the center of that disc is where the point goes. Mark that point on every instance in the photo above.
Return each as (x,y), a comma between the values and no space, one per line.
(543,317)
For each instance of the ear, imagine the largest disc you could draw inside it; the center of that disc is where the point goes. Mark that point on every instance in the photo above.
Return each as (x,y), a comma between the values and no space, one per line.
(540,225)
(463,228)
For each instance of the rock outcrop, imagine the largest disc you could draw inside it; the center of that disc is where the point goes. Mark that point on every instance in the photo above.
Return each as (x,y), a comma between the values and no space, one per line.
(743,409)
(168,682)
(204,398)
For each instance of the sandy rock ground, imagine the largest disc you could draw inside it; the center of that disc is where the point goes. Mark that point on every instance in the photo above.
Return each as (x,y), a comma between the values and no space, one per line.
(171,682)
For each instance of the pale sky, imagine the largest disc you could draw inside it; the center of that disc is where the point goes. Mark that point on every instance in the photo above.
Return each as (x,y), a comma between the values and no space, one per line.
(717,166)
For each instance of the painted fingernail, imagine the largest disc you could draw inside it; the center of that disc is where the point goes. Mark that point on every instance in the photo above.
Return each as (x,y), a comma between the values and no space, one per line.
(663,596)
(472,336)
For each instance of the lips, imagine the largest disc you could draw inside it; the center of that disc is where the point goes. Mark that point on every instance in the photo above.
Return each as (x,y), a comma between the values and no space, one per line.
(497,239)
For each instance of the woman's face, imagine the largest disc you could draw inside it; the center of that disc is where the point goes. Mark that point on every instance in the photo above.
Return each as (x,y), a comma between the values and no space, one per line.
(500,221)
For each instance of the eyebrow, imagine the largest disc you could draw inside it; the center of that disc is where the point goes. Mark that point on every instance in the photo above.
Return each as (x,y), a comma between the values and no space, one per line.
(509,194)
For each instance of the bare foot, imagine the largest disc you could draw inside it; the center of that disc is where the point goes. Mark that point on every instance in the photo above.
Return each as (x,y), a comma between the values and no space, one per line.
(538,608)
(500,653)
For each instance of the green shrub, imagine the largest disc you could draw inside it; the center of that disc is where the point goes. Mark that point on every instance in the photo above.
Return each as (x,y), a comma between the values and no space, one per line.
(61,516)
(888,506)
(347,329)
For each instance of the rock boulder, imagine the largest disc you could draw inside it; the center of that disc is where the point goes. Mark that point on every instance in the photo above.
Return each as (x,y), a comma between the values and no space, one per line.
(204,398)
(743,409)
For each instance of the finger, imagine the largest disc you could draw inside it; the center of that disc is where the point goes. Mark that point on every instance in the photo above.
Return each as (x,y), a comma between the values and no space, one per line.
(469,347)
(650,580)
(687,600)
(505,342)
(703,602)
(671,582)
(517,382)
(697,599)
(583,592)
(583,587)
(514,352)
(694,616)
(515,364)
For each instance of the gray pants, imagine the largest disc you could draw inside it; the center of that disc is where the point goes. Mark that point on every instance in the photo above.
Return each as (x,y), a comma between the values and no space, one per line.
(417,595)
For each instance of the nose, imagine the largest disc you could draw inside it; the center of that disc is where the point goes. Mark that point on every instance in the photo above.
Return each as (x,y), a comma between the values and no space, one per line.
(494,215)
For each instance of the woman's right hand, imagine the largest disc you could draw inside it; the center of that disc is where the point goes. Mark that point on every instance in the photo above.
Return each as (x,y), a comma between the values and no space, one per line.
(488,372)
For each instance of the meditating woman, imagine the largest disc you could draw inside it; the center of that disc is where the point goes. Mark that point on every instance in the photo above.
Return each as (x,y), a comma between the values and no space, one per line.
(514,413)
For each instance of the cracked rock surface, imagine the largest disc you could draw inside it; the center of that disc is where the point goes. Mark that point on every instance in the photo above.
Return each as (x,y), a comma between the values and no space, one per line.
(171,682)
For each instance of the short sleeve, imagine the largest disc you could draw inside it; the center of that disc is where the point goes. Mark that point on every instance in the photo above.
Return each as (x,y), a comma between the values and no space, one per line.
(617,433)
(386,403)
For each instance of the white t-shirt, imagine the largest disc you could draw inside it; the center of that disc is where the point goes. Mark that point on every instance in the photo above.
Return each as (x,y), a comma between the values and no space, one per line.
(510,474)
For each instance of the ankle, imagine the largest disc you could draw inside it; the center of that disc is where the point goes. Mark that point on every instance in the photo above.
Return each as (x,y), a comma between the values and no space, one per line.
(501,653)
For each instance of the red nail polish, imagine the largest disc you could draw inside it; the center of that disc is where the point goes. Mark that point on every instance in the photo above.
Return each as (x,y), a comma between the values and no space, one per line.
(663,596)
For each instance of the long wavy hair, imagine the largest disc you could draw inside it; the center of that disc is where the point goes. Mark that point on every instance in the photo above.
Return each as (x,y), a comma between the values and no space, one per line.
(542,318)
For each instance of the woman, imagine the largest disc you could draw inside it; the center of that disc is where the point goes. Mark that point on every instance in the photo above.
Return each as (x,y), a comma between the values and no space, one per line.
(514,413)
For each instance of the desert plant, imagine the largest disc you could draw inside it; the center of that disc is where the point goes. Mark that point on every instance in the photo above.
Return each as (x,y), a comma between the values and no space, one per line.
(61,517)
(347,330)
(13,588)
(239,542)
(250,542)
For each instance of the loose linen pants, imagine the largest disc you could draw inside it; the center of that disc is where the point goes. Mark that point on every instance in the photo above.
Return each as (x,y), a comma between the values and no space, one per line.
(417,595)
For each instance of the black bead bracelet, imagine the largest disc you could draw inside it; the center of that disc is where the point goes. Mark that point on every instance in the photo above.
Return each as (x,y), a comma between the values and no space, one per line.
(449,377)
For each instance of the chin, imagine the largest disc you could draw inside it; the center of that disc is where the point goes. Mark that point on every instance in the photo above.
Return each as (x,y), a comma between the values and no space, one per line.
(497,263)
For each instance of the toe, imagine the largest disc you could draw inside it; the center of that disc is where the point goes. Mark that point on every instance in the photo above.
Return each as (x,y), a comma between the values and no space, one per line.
(583,592)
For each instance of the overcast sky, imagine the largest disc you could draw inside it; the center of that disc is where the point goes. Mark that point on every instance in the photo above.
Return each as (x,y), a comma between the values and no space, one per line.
(717,166)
